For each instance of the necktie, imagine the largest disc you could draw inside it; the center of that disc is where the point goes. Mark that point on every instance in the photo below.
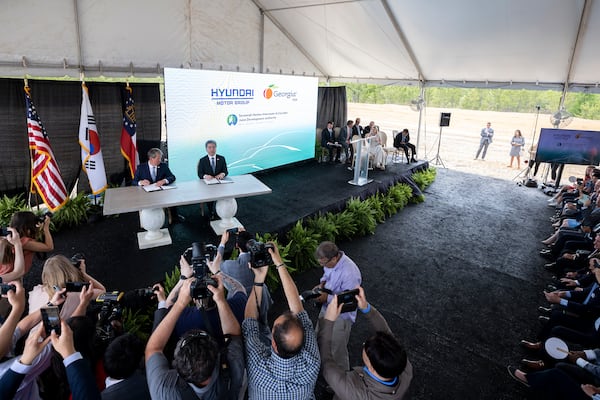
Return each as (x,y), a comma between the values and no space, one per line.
(153,173)
(212,164)
(589,296)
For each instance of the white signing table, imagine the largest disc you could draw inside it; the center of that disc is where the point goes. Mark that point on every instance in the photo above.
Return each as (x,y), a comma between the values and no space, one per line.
(150,204)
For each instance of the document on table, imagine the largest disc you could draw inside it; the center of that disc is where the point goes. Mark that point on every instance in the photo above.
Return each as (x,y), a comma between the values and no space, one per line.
(216,181)
(153,187)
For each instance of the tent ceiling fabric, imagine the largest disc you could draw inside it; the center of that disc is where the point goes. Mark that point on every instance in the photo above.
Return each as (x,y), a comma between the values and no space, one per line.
(474,41)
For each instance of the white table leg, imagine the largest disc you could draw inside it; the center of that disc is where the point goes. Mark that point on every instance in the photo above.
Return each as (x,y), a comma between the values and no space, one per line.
(226,210)
(152,219)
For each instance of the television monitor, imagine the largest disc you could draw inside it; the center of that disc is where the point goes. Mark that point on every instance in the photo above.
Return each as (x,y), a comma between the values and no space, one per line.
(568,146)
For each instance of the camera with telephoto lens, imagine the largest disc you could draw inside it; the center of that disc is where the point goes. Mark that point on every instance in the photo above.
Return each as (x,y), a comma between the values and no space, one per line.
(259,253)
(5,287)
(199,288)
(41,218)
(110,316)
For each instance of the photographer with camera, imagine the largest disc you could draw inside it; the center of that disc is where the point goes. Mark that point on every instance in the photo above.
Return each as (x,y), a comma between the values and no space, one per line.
(288,368)
(387,373)
(30,227)
(11,251)
(340,274)
(58,273)
(203,368)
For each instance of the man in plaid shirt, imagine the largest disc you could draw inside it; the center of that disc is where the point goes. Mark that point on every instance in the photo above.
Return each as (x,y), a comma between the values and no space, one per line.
(288,368)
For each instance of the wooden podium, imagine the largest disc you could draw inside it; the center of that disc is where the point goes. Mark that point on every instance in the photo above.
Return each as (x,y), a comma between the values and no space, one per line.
(150,204)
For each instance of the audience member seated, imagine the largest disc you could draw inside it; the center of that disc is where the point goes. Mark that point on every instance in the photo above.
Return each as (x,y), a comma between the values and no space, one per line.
(290,365)
(376,149)
(402,141)
(198,370)
(122,360)
(29,229)
(329,142)
(57,271)
(344,139)
(386,370)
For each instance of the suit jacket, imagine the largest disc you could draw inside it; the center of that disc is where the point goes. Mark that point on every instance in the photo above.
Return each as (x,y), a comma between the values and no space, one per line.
(81,381)
(9,384)
(486,135)
(592,308)
(327,137)
(134,387)
(344,135)
(399,140)
(143,172)
(204,167)
(357,130)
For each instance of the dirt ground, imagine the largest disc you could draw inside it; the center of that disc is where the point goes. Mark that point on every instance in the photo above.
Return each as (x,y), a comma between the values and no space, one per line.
(460,140)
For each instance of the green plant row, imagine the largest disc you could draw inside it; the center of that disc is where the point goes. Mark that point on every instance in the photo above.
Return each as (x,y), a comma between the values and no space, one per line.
(73,213)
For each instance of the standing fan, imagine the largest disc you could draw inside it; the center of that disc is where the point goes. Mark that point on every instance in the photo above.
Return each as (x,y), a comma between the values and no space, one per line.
(561,118)
(417,104)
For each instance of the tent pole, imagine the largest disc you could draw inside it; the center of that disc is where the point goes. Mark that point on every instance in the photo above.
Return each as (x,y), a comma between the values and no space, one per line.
(421,95)
(262,42)
(78,31)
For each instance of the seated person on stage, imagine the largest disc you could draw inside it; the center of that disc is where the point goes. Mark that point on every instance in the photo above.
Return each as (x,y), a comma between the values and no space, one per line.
(198,371)
(289,366)
(402,141)
(121,364)
(212,166)
(329,142)
(154,171)
(386,370)
(376,149)
(345,137)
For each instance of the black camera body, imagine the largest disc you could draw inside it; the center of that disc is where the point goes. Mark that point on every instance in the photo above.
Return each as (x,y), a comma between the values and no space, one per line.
(259,253)
(348,299)
(76,286)
(5,231)
(233,231)
(77,259)
(199,288)
(5,288)
(41,218)
(110,316)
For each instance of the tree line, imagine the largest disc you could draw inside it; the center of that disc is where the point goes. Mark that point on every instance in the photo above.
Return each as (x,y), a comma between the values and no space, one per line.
(582,105)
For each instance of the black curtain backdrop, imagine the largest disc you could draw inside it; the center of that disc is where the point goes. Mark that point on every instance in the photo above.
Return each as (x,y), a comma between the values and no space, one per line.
(59,105)
(332,106)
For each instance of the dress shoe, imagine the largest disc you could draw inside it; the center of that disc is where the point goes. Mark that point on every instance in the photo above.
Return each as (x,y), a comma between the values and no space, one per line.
(550,266)
(544,310)
(543,319)
(413,160)
(512,372)
(531,345)
(535,365)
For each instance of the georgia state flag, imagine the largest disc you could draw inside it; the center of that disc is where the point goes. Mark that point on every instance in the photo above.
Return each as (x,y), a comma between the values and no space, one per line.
(91,153)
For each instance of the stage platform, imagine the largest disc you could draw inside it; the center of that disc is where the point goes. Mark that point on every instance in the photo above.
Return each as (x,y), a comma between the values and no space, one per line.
(299,191)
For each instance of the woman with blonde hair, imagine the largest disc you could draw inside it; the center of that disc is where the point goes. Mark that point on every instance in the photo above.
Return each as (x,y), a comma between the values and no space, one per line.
(58,270)
(376,149)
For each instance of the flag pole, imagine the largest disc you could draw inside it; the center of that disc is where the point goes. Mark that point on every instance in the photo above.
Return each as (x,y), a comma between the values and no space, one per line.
(31,186)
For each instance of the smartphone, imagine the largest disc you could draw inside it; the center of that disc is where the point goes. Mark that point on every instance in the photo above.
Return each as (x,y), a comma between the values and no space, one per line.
(76,286)
(51,320)
(348,299)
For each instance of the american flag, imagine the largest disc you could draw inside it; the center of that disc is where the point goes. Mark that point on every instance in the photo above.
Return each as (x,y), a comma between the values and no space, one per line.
(45,174)
(128,133)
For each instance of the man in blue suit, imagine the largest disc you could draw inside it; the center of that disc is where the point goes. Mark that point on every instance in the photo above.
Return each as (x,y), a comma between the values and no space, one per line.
(154,171)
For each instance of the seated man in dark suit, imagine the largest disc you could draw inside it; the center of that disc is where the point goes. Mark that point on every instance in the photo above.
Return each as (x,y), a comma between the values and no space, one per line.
(328,142)
(212,166)
(154,171)
(401,141)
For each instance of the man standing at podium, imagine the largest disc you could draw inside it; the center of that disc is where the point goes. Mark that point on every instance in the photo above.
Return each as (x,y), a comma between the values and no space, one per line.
(212,166)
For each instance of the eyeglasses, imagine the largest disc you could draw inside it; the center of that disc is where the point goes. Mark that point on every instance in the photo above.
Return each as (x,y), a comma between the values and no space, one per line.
(322,263)
(192,337)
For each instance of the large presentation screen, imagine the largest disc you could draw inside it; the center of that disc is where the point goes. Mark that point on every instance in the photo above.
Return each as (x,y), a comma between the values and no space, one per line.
(259,121)
(568,146)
